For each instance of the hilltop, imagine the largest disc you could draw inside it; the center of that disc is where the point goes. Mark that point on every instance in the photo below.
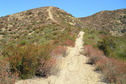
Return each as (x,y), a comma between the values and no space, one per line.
(110,21)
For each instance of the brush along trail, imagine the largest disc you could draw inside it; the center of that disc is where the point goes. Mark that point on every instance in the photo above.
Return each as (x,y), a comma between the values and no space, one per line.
(73,69)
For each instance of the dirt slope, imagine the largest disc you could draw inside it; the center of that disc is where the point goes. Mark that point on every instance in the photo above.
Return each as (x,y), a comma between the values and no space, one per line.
(73,69)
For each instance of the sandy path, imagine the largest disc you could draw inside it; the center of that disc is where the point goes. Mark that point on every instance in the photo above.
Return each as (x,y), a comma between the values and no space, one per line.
(74,69)
(50,14)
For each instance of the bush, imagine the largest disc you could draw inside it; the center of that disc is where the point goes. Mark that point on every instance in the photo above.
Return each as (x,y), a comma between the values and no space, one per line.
(114,70)
(30,59)
(114,67)
(25,59)
(24,42)
(58,51)
(92,60)
(69,43)
(114,47)
(90,51)
(47,68)
(50,67)
(6,76)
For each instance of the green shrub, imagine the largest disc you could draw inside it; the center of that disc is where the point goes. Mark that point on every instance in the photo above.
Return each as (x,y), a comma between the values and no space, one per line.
(91,36)
(23,42)
(114,46)
(124,16)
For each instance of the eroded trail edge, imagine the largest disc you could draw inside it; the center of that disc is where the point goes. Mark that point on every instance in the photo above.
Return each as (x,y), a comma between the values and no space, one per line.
(73,69)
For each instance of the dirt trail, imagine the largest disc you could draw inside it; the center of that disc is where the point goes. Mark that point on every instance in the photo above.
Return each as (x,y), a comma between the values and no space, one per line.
(74,69)
(50,14)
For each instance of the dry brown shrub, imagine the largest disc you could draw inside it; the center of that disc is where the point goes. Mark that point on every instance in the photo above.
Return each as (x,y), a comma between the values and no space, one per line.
(114,70)
(58,51)
(6,77)
(91,51)
(49,67)
(25,59)
(69,43)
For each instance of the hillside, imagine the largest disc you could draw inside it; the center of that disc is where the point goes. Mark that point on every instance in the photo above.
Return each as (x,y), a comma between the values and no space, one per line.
(33,38)
(46,22)
(43,15)
(41,44)
(110,21)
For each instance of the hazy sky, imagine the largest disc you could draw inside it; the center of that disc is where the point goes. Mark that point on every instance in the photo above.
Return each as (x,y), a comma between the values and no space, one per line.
(78,8)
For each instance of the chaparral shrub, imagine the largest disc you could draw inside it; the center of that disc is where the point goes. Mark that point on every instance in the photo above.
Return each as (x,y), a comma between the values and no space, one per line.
(25,59)
(6,77)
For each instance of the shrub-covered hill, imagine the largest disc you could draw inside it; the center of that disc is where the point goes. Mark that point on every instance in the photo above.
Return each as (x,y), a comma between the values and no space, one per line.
(110,21)
(31,40)
(35,25)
